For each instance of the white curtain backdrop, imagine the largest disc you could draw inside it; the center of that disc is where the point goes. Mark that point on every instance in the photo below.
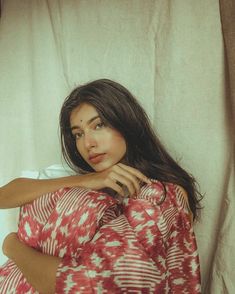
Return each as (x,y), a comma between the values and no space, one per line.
(168,53)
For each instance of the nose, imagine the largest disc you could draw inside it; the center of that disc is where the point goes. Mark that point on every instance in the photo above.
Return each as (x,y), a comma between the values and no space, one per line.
(89,141)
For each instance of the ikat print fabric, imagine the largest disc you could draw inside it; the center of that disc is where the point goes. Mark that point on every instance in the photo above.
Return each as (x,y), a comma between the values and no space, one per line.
(142,245)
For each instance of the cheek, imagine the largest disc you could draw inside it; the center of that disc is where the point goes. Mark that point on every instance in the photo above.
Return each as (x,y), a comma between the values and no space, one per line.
(119,144)
(79,148)
(122,145)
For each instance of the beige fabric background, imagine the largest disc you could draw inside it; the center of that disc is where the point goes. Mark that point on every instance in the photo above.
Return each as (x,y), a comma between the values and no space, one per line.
(170,54)
(221,278)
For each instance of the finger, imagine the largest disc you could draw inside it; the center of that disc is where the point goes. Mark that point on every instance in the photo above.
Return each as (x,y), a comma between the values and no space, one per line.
(113,185)
(128,179)
(138,176)
(135,172)
(128,182)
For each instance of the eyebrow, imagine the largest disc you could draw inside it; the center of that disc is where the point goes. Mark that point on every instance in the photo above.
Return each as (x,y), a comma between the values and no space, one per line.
(88,122)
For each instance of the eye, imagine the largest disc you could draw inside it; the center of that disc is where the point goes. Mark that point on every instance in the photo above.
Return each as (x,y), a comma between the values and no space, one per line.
(99,125)
(77,136)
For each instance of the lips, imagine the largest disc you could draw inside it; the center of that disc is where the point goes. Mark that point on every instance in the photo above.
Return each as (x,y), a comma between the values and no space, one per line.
(96,158)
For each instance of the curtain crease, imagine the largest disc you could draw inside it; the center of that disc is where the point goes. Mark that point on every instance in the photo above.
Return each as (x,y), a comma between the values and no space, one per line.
(222,277)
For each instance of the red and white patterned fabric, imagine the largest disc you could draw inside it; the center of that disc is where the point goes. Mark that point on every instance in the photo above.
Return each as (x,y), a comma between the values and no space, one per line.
(143,245)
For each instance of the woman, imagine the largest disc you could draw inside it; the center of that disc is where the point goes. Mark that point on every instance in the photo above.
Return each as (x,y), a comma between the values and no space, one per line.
(123,225)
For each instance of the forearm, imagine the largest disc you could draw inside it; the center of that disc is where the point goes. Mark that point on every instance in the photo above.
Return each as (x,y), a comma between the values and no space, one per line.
(23,190)
(38,269)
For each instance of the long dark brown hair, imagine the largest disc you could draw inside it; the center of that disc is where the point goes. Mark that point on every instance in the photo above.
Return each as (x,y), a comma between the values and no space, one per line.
(119,109)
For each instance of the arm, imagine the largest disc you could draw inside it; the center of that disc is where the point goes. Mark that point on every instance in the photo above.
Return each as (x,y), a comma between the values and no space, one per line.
(23,190)
(38,269)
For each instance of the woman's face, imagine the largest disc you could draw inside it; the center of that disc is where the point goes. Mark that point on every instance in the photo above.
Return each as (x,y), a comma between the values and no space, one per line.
(100,145)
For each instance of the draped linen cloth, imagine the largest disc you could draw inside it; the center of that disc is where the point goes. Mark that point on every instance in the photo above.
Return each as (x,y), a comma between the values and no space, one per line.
(145,245)
(222,273)
(170,54)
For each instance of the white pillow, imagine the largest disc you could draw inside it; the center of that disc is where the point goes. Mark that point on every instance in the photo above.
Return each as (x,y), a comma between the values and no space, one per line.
(50,172)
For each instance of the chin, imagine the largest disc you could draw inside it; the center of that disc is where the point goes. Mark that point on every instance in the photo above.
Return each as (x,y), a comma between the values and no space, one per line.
(102,166)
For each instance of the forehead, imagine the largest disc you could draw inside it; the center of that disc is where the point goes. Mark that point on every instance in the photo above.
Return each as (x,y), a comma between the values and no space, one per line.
(82,114)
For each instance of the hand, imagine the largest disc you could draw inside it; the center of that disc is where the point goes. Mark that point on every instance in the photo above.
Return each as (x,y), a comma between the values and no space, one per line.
(117,178)
(9,244)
